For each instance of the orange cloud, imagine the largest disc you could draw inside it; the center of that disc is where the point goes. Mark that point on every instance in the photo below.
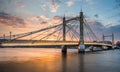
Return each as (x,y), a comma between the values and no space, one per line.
(14,21)
(56,20)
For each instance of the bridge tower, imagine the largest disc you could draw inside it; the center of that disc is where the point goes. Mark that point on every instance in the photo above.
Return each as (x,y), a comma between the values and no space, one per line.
(64,29)
(81,46)
(112,36)
(64,47)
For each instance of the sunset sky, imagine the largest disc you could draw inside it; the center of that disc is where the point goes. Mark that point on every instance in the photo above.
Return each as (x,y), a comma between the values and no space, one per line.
(19,16)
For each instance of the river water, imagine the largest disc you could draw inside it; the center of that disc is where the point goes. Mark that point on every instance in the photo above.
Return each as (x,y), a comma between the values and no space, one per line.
(52,60)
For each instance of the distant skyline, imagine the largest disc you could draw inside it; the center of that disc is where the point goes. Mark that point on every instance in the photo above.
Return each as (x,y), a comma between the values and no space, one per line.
(19,16)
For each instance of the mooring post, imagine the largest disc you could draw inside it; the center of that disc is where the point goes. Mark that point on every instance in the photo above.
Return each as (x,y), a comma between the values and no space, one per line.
(64,47)
(81,46)
(10,35)
(4,36)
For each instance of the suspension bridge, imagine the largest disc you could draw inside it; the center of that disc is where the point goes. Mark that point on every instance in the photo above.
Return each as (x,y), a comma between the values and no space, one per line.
(71,32)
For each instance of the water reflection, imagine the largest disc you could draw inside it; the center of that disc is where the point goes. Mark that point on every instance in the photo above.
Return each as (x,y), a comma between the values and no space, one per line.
(70,64)
(81,62)
(64,62)
(52,60)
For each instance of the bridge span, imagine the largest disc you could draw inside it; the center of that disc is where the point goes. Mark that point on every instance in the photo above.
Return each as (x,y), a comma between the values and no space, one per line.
(50,43)
(71,32)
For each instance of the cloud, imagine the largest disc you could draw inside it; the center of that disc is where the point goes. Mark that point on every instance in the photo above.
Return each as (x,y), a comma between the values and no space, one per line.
(4,15)
(54,6)
(39,18)
(115,30)
(43,5)
(96,26)
(111,23)
(10,20)
(43,17)
(46,21)
(70,3)
(51,5)
(34,18)
(96,15)
(57,17)
(53,21)
(99,29)
(56,20)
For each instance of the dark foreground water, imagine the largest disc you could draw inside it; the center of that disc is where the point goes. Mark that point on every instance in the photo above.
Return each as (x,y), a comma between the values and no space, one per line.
(52,60)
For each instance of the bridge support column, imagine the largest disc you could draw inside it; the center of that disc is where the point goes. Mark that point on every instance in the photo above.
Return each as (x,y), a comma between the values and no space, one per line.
(64,48)
(81,46)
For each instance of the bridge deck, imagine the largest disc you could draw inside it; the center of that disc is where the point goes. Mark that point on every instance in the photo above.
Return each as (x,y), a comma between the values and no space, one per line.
(49,43)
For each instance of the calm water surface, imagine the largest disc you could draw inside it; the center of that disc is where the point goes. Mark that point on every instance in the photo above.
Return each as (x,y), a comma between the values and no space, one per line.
(52,60)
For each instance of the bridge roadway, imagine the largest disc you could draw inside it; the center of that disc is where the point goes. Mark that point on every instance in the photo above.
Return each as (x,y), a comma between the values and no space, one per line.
(49,43)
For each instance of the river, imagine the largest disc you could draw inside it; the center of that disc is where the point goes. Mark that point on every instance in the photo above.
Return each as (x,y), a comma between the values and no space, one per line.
(52,60)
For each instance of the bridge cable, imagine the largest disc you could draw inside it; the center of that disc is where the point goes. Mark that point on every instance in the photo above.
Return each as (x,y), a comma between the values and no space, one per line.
(76,33)
(67,30)
(39,35)
(50,34)
(53,34)
(73,32)
(90,29)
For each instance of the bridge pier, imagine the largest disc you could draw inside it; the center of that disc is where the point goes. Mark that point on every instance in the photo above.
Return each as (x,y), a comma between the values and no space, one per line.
(64,49)
(81,48)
